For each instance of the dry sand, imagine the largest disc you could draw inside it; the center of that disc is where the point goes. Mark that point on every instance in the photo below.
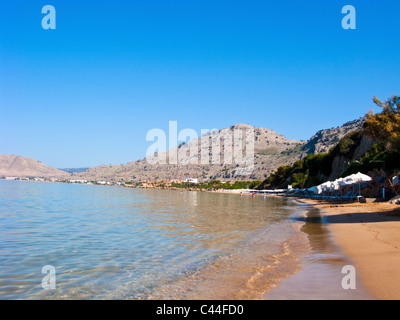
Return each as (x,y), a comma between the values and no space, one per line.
(369,233)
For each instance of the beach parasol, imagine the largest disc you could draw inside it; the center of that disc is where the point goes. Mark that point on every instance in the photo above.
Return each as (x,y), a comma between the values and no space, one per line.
(357,178)
(360,177)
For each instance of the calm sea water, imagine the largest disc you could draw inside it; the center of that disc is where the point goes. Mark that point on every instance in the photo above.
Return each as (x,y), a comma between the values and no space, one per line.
(119,243)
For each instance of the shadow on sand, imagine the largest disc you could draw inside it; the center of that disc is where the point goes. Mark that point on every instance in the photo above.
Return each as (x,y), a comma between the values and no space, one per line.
(321,275)
(313,215)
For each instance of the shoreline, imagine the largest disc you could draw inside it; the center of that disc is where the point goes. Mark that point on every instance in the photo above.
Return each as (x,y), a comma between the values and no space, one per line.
(368,233)
(320,275)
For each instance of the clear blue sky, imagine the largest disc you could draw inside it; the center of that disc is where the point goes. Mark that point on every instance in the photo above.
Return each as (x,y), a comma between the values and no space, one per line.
(86,93)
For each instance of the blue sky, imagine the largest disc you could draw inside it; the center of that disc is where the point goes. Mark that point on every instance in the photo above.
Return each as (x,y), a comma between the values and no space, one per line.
(87,92)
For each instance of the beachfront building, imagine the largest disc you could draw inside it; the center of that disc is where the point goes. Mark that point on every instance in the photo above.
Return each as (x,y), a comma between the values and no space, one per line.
(78,181)
(190,180)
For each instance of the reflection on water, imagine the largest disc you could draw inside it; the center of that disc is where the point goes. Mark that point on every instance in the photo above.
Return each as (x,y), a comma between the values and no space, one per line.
(109,242)
(321,275)
(267,257)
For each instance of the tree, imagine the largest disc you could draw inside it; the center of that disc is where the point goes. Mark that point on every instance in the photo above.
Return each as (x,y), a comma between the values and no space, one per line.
(385,125)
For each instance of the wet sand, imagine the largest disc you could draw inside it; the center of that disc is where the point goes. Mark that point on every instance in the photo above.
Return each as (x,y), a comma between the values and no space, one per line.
(299,259)
(309,266)
(321,274)
(255,268)
(364,235)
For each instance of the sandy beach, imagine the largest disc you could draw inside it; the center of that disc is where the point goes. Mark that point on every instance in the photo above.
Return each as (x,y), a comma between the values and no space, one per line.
(369,233)
(366,235)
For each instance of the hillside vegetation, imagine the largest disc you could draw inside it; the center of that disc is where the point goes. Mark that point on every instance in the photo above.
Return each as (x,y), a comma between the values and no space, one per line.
(375,147)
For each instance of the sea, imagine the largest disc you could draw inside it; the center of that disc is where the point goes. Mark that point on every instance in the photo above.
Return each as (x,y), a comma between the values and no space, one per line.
(71,241)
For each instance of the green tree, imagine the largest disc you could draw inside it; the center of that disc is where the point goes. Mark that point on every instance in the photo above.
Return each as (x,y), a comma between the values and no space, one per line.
(385,125)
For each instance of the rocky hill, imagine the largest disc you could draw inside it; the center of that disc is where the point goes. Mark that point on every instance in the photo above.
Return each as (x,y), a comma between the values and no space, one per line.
(270,150)
(200,158)
(345,158)
(326,139)
(221,155)
(18,166)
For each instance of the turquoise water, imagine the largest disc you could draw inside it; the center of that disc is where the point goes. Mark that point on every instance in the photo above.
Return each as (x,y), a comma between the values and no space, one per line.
(120,243)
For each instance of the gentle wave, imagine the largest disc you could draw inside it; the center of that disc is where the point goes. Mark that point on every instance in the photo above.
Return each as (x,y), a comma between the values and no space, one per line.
(120,243)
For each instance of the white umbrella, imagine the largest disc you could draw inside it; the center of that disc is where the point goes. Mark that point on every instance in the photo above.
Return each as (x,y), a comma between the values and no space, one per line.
(325,186)
(315,189)
(345,183)
(340,183)
(358,178)
(336,185)
(331,186)
(348,180)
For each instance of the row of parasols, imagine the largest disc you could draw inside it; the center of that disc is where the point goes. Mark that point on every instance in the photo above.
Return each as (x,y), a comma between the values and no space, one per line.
(332,186)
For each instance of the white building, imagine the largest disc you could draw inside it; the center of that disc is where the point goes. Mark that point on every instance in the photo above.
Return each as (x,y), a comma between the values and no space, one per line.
(78,181)
(191,180)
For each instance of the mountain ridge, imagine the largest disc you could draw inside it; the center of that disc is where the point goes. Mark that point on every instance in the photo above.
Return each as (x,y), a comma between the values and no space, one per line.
(271,150)
(12,165)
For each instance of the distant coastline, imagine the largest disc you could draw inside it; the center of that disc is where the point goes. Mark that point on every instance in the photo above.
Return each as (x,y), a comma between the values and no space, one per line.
(74,170)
